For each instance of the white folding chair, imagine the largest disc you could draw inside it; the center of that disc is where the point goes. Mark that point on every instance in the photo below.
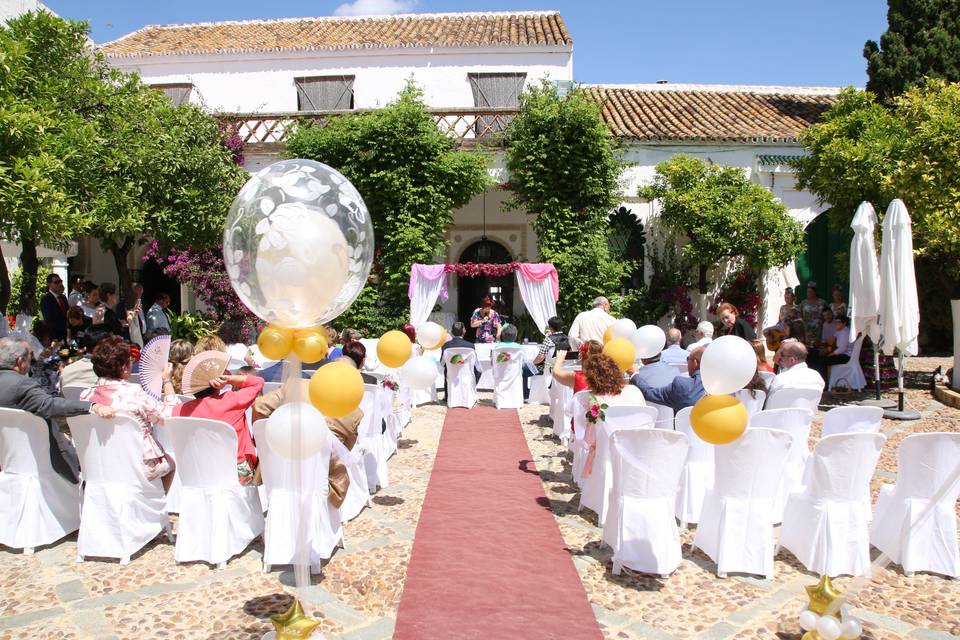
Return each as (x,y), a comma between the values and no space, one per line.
(508,378)
(577,408)
(664,416)
(852,419)
(795,398)
(38,506)
(219,517)
(767,377)
(162,436)
(796,422)
(827,525)
(698,472)
(849,371)
(752,400)
(461,381)
(122,511)
(736,525)
(596,487)
(539,385)
(641,529)
(927,462)
(72,391)
(371,444)
(560,396)
(289,501)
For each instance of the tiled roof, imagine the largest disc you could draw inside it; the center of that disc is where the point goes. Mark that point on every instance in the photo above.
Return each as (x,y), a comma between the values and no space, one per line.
(512,29)
(711,113)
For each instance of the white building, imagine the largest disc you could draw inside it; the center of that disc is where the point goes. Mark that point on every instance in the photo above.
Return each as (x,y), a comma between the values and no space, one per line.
(264,75)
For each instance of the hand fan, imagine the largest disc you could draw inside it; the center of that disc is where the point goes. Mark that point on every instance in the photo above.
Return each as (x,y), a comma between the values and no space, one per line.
(153,360)
(202,368)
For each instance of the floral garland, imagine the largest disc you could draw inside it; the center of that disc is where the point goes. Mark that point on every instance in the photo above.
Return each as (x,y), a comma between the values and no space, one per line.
(596,410)
(474,269)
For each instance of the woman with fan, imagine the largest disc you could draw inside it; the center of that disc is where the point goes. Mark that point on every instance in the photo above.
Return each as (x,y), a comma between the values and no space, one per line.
(111,363)
(205,377)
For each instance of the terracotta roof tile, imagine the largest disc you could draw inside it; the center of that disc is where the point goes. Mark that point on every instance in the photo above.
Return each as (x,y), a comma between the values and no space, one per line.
(735,114)
(333,33)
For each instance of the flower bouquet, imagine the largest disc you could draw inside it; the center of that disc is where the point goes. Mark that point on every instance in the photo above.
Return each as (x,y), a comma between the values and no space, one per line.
(503,357)
(596,410)
(456,359)
(389,384)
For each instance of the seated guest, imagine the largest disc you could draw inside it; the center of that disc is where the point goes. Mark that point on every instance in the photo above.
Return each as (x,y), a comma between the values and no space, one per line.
(77,324)
(782,329)
(654,372)
(569,377)
(76,291)
(209,342)
(356,353)
(827,342)
(605,380)
(704,335)
(333,338)
(80,372)
(345,429)
(45,368)
(508,338)
(823,359)
(180,353)
(91,299)
(791,357)
(350,335)
(682,391)
(734,324)
(111,362)
(760,349)
(17,391)
(554,341)
(457,341)
(673,353)
(211,402)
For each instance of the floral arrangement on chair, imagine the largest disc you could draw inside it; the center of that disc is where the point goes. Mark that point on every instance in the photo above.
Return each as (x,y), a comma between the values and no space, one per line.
(503,357)
(456,359)
(389,384)
(596,410)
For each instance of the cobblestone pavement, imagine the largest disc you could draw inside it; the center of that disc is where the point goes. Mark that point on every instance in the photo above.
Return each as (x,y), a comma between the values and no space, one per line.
(50,596)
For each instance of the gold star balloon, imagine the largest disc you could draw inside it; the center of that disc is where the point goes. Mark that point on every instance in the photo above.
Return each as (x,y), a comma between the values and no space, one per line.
(824,599)
(293,624)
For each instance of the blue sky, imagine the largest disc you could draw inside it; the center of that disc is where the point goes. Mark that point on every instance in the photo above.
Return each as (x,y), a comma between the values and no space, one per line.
(814,42)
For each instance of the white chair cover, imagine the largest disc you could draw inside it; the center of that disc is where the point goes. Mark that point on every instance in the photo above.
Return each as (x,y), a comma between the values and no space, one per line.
(796,422)
(162,436)
(827,525)
(122,510)
(219,517)
(596,486)
(371,443)
(577,408)
(698,472)
(852,419)
(753,402)
(641,529)
(72,391)
(795,398)
(461,381)
(539,386)
(767,377)
(508,378)
(484,350)
(735,527)
(393,429)
(849,371)
(323,524)
(664,416)
(37,505)
(560,396)
(927,461)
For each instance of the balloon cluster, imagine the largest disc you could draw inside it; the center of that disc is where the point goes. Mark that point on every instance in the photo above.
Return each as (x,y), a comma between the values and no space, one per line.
(395,350)
(826,618)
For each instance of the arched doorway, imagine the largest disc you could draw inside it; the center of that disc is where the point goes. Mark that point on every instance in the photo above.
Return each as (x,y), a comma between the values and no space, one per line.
(470,291)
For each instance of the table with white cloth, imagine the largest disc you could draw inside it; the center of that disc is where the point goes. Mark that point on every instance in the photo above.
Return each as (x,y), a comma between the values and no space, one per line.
(484,351)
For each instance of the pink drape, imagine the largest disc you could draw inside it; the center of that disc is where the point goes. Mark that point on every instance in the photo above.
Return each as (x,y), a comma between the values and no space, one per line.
(539,272)
(429,272)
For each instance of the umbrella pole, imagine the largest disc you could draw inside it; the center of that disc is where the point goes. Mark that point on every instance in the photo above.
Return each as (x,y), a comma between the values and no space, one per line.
(901,413)
(876,368)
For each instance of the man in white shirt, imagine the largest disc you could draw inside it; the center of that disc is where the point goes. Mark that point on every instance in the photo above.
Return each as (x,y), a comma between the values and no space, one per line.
(704,336)
(591,325)
(674,353)
(794,372)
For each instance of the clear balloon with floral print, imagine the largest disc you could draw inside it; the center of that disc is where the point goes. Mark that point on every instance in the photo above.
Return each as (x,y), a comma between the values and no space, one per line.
(298,243)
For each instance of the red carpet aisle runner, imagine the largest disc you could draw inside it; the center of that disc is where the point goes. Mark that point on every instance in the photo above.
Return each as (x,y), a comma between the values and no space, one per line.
(488,560)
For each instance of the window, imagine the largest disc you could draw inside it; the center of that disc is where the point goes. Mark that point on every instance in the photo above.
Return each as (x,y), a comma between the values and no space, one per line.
(179,92)
(496,89)
(324,93)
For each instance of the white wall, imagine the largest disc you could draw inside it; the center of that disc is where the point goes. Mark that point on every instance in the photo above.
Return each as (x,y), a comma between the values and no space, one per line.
(13,8)
(264,82)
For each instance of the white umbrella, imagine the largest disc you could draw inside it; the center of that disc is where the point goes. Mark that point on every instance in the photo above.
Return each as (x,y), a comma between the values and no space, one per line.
(899,309)
(865,281)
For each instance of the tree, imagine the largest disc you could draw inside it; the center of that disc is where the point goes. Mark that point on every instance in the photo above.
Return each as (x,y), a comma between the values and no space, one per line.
(922,40)
(724,215)
(565,171)
(49,84)
(411,180)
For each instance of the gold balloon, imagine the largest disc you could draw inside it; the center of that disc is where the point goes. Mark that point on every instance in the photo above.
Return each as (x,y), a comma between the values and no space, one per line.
(336,389)
(310,344)
(275,341)
(824,599)
(719,419)
(394,348)
(810,635)
(294,624)
(608,334)
(622,351)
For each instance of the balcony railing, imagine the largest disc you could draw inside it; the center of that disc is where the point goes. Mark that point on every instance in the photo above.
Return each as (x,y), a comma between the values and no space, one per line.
(469,127)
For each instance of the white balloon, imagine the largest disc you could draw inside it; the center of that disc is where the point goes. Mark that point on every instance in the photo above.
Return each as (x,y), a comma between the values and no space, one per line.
(429,335)
(727,365)
(828,628)
(808,620)
(649,340)
(419,372)
(623,328)
(313,431)
(850,629)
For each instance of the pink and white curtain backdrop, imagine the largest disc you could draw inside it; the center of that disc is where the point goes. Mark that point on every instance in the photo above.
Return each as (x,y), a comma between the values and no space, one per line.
(539,287)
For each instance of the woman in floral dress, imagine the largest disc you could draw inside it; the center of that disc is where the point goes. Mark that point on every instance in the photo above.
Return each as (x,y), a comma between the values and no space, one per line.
(486,321)
(811,309)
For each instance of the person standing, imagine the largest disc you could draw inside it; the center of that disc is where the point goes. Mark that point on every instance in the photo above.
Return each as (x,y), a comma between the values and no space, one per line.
(810,311)
(157,315)
(486,321)
(76,291)
(592,324)
(734,324)
(91,300)
(53,308)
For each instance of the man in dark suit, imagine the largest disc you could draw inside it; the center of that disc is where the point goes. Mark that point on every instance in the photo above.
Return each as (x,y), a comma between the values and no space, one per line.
(53,308)
(682,392)
(17,391)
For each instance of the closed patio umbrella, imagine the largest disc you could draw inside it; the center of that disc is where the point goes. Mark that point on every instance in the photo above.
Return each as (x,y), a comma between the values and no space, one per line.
(865,281)
(899,309)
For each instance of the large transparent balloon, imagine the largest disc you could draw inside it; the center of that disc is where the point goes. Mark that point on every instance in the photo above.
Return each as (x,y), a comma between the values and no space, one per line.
(298,243)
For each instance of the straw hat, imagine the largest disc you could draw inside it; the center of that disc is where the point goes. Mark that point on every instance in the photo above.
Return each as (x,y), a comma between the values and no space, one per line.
(202,368)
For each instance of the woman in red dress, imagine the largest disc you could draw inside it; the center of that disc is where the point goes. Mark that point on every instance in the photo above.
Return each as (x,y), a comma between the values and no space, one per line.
(575,379)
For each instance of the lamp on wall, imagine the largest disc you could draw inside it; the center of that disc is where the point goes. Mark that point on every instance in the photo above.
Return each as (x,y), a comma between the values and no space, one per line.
(484,250)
